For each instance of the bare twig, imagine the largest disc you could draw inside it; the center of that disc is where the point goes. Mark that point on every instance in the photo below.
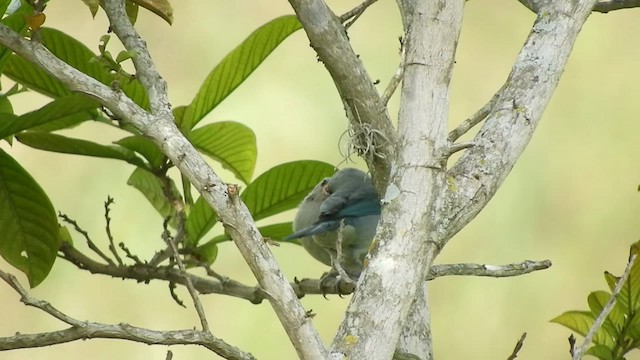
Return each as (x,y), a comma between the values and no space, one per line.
(336,262)
(604,6)
(516,349)
(107,218)
(90,243)
(496,271)
(578,353)
(473,120)
(166,236)
(395,79)
(454,148)
(225,286)
(355,13)
(129,254)
(84,330)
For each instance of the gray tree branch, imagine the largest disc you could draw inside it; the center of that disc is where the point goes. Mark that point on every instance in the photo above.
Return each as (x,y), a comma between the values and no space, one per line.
(83,330)
(602,6)
(516,111)
(254,294)
(362,102)
(405,240)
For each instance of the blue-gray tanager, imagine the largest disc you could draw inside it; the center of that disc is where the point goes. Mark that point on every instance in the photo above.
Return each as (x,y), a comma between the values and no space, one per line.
(347,203)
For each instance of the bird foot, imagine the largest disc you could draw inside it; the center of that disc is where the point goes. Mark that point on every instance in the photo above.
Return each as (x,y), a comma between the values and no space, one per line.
(332,283)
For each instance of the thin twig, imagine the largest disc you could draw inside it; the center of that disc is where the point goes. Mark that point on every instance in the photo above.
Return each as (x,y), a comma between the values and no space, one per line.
(107,218)
(26,299)
(604,6)
(90,243)
(473,120)
(516,349)
(129,254)
(338,259)
(496,271)
(395,79)
(454,148)
(580,350)
(355,13)
(223,285)
(192,290)
(84,330)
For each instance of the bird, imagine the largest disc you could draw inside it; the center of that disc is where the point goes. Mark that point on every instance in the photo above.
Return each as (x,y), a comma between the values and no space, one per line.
(346,202)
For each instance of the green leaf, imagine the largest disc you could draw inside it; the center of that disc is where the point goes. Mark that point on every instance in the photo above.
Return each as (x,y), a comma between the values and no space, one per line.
(162,8)
(601,352)
(273,232)
(218,239)
(93,6)
(276,231)
(200,220)
(237,66)
(283,187)
(230,143)
(132,11)
(597,300)
(24,72)
(16,23)
(581,322)
(578,321)
(144,147)
(62,144)
(65,235)
(3,6)
(207,252)
(75,54)
(57,110)
(29,227)
(629,296)
(151,187)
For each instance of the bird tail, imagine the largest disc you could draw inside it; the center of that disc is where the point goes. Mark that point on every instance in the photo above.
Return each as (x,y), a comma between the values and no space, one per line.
(314,229)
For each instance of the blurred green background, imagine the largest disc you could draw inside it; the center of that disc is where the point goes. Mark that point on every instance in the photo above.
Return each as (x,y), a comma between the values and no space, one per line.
(572,197)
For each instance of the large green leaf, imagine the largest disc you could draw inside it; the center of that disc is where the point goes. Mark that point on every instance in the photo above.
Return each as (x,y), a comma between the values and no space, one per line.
(581,322)
(230,143)
(597,300)
(151,187)
(75,54)
(144,147)
(200,220)
(601,352)
(28,224)
(63,144)
(58,110)
(207,252)
(276,231)
(629,296)
(273,232)
(237,66)
(24,72)
(283,187)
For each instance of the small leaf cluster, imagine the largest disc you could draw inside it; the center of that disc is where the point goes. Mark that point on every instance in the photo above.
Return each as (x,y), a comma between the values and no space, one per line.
(620,332)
